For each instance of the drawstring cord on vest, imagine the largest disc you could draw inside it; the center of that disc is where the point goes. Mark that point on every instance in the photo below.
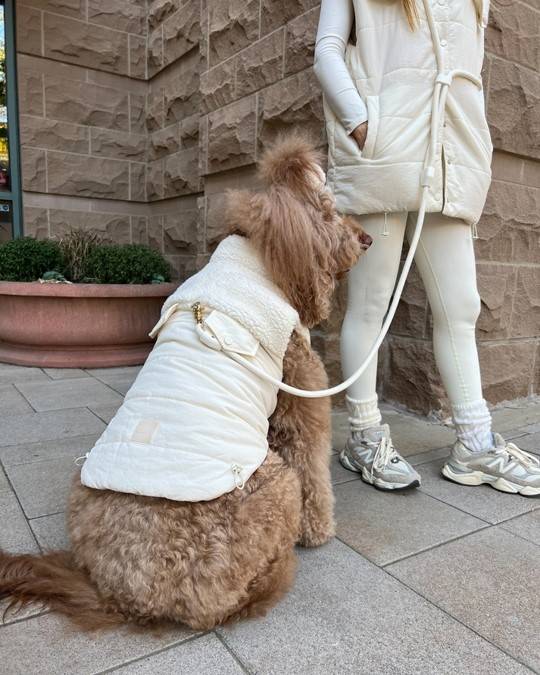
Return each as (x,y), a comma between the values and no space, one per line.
(438,103)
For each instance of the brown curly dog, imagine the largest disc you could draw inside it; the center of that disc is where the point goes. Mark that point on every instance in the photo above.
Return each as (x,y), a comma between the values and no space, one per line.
(144,559)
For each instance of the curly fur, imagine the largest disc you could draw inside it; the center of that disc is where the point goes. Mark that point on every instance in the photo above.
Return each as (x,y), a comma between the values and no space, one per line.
(146,560)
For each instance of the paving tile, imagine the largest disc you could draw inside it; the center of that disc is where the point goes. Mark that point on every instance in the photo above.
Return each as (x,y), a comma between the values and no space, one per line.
(65,373)
(4,485)
(514,416)
(25,453)
(485,580)
(13,402)
(15,614)
(50,645)
(10,374)
(205,655)
(529,442)
(425,457)
(481,501)
(119,379)
(339,474)
(385,527)
(15,535)
(105,412)
(51,532)
(411,435)
(47,426)
(58,394)
(345,615)
(526,526)
(42,487)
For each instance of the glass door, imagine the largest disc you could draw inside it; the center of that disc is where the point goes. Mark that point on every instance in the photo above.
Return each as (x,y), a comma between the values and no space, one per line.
(10,188)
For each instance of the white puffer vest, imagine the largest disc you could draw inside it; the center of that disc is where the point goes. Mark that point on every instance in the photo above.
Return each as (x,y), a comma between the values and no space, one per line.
(194,424)
(394,71)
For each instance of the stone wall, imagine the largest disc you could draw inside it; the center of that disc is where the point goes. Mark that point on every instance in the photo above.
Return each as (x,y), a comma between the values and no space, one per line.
(136,117)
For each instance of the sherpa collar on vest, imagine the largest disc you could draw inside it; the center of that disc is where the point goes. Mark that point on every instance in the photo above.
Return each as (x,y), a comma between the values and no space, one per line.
(236,283)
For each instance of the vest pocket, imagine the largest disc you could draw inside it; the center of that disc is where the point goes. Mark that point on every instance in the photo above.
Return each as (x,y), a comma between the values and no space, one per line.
(372,104)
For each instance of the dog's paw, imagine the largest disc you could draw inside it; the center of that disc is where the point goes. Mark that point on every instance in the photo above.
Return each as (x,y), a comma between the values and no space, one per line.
(310,537)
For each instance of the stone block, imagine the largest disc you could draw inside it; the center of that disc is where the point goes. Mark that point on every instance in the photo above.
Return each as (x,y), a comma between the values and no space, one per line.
(84,176)
(506,370)
(189,131)
(12,374)
(137,181)
(261,64)
(159,10)
(182,89)
(53,134)
(526,526)
(469,579)
(137,113)
(139,230)
(73,8)
(512,33)
(85,44)
(180,231)
(411,316)
(155,116)
(33,170)
(123,15)
(15,535)
(231,135)
(509,228)
(275,13)
(233,25)
(85,103)
(26,453)
(164,142)
(155,233)
(295,102)
(181,31)
(413,378)
(12,402)
(112,227)
(51,532)
(154,180)
(36,222)
(496,285)
(30,86)
(300,45)
(137,56)
(155,52)
(514,108)
(525,320)
(180,173)
(29,30)
(203,145)
(217,86)
(117,144)
(105,412)
(64,373)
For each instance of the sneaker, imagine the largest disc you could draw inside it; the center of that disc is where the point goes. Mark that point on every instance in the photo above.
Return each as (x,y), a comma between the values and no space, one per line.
(371,454)
(505,467)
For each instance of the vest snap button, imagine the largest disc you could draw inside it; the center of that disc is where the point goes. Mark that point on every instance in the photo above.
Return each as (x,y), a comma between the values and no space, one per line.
(443,43)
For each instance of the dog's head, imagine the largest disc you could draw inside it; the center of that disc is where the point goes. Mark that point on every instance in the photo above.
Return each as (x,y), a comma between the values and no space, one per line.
(305,244)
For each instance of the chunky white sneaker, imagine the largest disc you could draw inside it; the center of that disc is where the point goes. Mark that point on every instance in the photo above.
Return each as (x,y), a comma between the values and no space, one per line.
(371,454)
(505,467)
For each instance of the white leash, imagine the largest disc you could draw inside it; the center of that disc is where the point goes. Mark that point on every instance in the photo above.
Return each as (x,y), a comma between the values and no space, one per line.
(438,103)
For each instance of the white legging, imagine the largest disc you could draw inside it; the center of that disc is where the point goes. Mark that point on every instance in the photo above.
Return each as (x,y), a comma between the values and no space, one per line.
(445,260)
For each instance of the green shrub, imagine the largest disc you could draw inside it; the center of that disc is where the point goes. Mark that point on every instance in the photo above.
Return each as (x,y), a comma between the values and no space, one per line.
(27,259)
(125,264)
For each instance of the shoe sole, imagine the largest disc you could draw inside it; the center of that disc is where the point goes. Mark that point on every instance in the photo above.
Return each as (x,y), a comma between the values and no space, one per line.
(364,475)
(481,478)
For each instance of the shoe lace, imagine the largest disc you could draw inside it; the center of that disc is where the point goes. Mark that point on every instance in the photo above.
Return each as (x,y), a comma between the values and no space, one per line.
(385,452)
(522,457)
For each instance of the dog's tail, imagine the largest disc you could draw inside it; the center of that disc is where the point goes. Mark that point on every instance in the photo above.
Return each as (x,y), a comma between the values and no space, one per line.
(54,581)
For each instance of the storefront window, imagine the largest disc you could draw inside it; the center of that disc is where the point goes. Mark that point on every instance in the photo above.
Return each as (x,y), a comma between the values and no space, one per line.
(10,192)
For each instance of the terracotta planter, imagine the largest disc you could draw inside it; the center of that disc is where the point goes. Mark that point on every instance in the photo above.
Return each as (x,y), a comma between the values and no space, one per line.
(78,325)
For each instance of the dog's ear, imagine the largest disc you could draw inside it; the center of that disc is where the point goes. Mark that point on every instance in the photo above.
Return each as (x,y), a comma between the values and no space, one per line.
(291,161)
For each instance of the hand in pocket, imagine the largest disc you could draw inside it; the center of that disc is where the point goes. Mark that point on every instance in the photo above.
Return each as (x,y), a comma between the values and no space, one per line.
(359,134)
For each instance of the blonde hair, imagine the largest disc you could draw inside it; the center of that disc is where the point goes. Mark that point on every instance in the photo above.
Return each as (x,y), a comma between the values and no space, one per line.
(411,11)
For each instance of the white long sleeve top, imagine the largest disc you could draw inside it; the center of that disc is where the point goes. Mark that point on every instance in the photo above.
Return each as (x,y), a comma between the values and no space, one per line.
(335,24)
